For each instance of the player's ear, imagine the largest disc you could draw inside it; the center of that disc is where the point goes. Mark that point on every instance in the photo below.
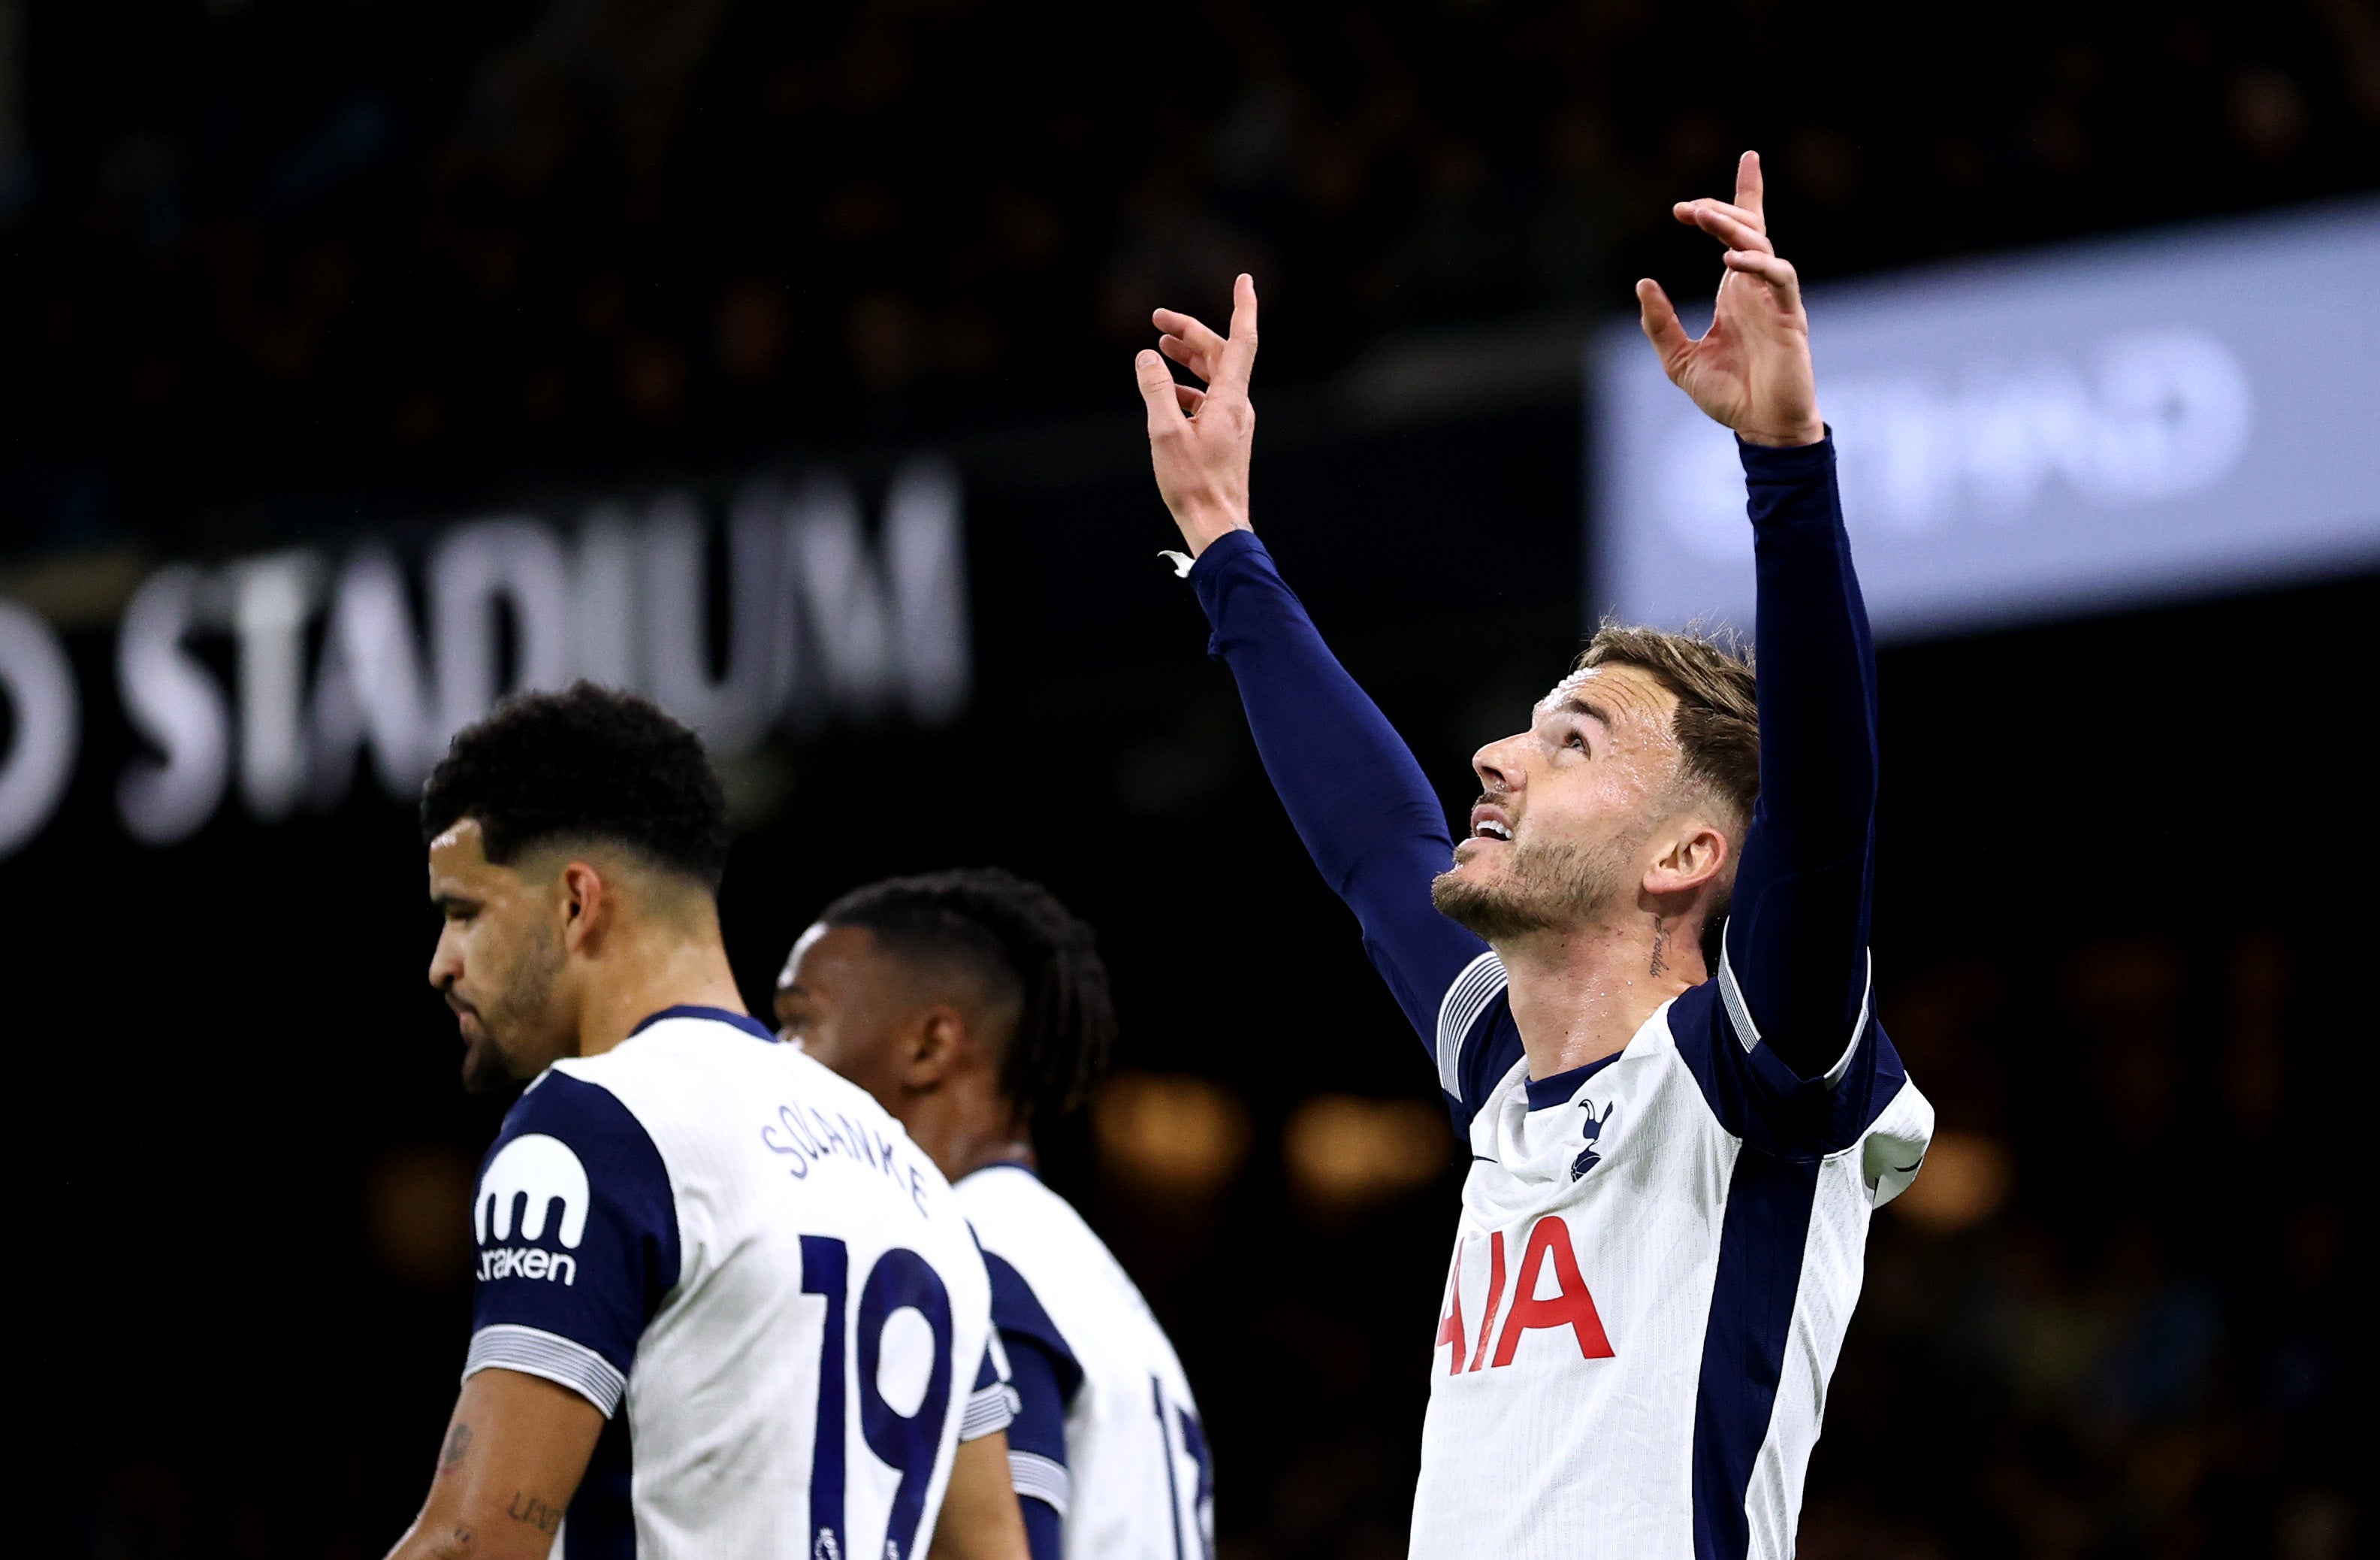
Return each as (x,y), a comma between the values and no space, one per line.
(1695,857)
(585,901)
(930,1054)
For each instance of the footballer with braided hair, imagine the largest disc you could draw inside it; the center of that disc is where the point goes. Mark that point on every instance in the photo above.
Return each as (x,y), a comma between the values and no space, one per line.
(974,1005)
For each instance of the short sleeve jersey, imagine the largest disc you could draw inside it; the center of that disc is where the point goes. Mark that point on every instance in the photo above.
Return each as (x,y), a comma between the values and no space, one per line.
(1122,1455)
(771,1295)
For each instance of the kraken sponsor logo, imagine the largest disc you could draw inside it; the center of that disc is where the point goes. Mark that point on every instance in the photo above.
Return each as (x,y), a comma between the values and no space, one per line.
(528,1178)
(528,1261)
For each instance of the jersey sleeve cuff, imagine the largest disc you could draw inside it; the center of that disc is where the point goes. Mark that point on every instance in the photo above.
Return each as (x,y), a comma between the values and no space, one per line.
(987,1409)
(1220,551)
(1035,1477)
(535,1352)
(1787,462)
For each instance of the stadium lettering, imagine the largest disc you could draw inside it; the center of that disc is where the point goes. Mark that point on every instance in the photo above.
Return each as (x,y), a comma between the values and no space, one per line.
(368,661)
(1571,1305)
(528,1261)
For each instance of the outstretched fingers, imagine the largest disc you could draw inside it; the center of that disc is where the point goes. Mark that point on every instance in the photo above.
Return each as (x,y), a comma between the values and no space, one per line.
(1173,321)
(1659,318)
(1199,362)
(1730,226)
(1240,351)
(1194,344)
(1189,342)
(1688,212)
(1167,414)
(1751,191)
(1779,273)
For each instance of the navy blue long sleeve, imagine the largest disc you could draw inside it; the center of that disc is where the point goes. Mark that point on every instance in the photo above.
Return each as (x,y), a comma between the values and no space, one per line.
(1797,933)
(1359,801)
(1797,936)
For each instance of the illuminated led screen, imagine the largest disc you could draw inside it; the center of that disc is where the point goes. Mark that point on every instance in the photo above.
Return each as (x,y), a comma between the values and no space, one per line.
(2092,427)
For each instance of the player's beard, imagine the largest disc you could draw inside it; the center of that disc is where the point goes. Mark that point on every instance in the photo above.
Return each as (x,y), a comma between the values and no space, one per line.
(1542,888)
(518,1011)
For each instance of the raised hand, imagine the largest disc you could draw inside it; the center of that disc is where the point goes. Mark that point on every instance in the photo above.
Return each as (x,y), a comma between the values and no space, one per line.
(1751,370)
(1199,440)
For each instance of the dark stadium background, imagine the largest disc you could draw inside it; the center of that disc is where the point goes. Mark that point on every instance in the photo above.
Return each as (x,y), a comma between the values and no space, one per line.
(267,266)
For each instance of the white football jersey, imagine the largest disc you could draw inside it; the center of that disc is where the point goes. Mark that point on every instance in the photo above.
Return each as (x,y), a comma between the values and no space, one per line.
(1658,1256)
(1128,1470)
(773,1296)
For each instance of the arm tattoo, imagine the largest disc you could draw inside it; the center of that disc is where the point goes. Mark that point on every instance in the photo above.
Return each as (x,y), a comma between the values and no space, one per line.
(536,1513)
(450,1456)
(455,1546)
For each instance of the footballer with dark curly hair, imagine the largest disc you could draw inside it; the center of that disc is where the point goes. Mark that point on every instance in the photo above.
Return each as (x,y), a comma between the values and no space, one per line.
(700,1251)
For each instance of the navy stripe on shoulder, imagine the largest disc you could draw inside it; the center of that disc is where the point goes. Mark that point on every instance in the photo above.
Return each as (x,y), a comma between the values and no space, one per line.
(744,1022)
(1758,1098)
(575,1189)
(1016,1311)
(576,1220)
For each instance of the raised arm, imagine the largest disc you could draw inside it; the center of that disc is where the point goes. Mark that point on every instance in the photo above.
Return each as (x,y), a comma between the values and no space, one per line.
(1795,970)
(1359,801)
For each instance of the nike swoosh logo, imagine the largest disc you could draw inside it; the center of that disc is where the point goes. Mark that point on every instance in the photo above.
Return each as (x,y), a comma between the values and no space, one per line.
(1905,1169)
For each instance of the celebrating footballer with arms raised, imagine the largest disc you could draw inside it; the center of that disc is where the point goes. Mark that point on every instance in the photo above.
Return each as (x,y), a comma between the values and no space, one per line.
(1644,980)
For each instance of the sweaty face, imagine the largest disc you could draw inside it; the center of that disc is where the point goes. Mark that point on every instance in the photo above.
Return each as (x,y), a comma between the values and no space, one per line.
(498,957)
(1559,835)
(841,1000)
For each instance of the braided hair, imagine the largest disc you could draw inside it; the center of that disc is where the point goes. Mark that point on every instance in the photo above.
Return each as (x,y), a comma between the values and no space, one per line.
(1026,947)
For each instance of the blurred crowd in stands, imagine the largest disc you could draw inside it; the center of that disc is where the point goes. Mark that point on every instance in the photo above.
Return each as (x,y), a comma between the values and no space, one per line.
(2119,1319)
(271,245)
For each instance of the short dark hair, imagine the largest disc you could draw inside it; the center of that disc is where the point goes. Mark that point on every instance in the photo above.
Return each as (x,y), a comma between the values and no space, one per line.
(586,763)
(1026,946)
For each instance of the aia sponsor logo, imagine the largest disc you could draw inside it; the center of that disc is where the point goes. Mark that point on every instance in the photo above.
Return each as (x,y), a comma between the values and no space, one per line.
(524,1184)
(1546,1255)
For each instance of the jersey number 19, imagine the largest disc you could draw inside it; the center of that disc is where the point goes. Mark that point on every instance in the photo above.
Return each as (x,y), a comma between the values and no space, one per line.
(907,1443)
